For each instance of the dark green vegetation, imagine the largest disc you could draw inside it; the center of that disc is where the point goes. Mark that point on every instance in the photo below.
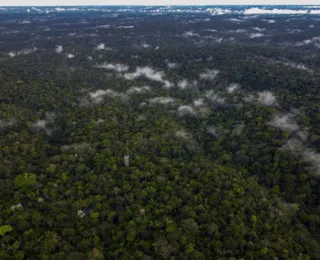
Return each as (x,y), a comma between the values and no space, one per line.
(214,173)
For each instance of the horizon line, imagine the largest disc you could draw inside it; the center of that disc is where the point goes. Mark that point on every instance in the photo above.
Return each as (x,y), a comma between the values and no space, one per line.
(165,5)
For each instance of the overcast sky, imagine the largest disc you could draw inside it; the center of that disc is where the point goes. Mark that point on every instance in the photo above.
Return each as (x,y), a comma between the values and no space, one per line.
(155,2)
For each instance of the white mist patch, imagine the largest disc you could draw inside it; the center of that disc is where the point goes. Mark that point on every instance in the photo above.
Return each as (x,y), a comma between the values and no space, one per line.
(312,158)
(186,110)
(303,135)
(210,30)
(162,100)
(59,49)
(25,22)
(172,65)
(314,11)
(146,72)
(238,130)
(101,46)
(256,10)
(294,145)
(267,98)
(259,29)
(42,124)
(104,26)
(125,27)
(238,31)
(141,118)
(213,131)
(294,30)
(99,121)
(190,34)
(209,74)
(145,45)
(22,52)
(299,66)
(184,84)
(256,35)
(235,20)
(268,21)
(199,102)
(284,122)
(314,40)
(219,39)
(233,87)
(249,98)
(99,95)
(138,90)
(215,98)
(187,138)
(70,56)
(114,66)
(182,134)
(150,74)
(6,123)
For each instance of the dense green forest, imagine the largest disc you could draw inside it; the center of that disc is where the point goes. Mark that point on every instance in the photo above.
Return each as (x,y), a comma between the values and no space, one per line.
(175,136)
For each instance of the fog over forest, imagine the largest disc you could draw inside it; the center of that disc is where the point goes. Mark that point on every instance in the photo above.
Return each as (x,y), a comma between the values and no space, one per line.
(160,132)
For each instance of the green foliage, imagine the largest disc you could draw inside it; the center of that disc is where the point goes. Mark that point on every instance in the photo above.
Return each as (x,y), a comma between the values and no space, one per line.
(5,229)
(25,180)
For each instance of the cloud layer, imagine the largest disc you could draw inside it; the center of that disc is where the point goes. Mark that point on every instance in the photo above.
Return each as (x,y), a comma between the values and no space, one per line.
(266,98)
(284,122)
(209,74)
(114,66)
(150,74)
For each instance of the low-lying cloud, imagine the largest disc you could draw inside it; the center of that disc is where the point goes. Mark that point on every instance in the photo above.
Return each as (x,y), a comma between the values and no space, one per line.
(266,98)
(284,122)
(101,46)
(256,10)
(213,131)
(114,66)
(298,143)
(6,123)
(59,49)
(150,74)
(186,110)
(299,66)
(172,65)
(70,56)
(209,74)
(313,159)
(21,52)
(190,34)
(162,100)
(314,40)
(215,98)
(100,94)
(184,84)
(138,90)
(233,87)
(43,124)
(199,102)
(259,29)
(256,35)
(294,145)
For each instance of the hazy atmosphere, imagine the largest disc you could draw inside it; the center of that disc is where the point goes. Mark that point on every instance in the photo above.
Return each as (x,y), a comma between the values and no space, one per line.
(148,3)
(159,132)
